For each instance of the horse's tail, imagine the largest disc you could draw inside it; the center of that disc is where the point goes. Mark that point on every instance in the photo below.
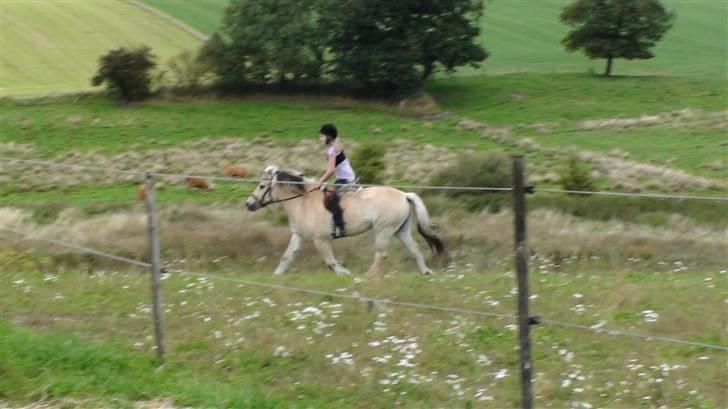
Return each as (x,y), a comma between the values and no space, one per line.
(424,226)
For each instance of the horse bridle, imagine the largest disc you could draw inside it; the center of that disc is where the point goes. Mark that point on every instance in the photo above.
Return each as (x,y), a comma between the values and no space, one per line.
(261,201)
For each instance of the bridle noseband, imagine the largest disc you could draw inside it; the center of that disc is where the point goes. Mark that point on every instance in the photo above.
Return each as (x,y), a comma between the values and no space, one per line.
(261,201)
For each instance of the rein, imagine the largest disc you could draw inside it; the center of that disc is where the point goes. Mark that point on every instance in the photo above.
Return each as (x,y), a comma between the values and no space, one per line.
(262,203)
(285,200)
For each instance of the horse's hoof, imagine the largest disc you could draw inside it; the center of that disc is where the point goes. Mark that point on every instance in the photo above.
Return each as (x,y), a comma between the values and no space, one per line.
(278,272)
(427,272)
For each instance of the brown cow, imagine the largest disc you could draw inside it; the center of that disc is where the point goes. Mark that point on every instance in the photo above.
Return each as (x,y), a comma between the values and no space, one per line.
(235,171)
(142,192)
(197,183)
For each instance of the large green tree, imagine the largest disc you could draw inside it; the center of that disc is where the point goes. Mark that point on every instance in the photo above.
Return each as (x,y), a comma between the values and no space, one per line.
(393,46)
(266,41)
(615,28)
(376,47)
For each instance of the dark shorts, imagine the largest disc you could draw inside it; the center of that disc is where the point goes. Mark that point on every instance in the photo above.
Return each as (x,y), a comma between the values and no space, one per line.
(340,185)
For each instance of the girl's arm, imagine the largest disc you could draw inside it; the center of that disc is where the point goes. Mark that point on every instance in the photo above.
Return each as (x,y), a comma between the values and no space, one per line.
(330,168)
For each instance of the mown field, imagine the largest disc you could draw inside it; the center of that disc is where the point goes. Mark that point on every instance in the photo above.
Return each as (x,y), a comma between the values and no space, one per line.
(54,47)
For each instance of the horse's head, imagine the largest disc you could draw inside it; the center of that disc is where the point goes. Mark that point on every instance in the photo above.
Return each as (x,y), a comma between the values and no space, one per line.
(262,195)
(274,184)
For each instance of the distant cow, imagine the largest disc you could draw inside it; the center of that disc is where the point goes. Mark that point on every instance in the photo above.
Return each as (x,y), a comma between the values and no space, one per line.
(235,171)
(142,192)
(197,183)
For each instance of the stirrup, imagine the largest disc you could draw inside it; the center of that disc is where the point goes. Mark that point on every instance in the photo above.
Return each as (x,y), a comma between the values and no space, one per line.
(338,233)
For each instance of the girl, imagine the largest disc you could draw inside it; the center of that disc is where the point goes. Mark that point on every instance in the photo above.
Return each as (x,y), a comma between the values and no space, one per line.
(339,165)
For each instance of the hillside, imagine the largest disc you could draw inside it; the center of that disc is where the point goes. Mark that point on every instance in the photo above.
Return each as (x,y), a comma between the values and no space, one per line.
(52,47)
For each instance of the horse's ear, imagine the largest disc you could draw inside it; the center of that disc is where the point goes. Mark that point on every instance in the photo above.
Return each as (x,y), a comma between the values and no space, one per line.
(270,170)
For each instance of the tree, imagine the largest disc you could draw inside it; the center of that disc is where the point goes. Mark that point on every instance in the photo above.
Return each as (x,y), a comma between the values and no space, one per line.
(268,41)
(391,47)
(615,28)
(447,34)
(375,47)
(126,71)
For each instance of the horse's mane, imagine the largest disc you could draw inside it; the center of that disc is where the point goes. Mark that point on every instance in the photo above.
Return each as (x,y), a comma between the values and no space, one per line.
(291,176)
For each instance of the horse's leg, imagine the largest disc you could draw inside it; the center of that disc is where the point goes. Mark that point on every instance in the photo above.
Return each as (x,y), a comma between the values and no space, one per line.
(293,246)
(324,247)
(381,242)
(405,236)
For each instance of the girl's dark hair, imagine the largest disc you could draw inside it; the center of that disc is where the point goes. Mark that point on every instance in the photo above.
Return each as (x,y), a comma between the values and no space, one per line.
(329,130)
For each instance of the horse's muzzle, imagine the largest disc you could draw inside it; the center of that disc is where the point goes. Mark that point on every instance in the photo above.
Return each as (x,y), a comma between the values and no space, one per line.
(252,205)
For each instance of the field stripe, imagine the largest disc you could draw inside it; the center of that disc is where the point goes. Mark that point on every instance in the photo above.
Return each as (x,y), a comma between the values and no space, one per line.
(177,22)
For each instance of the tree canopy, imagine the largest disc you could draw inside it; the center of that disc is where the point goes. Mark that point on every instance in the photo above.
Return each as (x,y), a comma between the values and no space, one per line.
(615,28)
(378,47)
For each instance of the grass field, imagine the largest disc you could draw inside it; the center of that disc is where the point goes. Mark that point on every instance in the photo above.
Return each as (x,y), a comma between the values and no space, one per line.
(205,16)
(519,105)
(75,330)
(282,349)
(526,36)
(54,47)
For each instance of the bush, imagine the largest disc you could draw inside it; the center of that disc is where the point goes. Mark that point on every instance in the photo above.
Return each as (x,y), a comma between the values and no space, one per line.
(478,170)
(188,70)
(127,72)
(368,162)
(576,176)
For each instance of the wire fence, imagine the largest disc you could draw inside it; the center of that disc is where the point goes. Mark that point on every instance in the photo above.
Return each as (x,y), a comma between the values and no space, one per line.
(355,296)
(141,174)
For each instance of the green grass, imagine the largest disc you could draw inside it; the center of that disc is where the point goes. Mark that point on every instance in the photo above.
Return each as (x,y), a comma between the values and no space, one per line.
(526,37)
(205,16)
(60,367)
(560,101)
(96,123)
(566,98)
(214,333)
(54,47)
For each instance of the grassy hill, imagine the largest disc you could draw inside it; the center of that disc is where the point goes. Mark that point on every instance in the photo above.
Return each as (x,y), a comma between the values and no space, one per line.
(50,47)
(526,37)
(205,16)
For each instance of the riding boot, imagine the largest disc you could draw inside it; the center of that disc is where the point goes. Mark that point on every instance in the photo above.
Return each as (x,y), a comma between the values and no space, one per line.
(334,207)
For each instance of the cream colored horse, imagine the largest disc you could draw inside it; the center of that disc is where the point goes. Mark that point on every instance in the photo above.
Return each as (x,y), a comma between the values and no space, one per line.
(389,212)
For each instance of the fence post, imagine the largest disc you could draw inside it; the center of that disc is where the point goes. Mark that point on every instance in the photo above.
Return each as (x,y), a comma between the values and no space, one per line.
(156,263)
(524,321)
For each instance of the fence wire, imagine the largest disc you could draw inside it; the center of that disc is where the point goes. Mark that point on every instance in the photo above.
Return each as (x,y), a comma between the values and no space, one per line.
(376,301)
(78,248)
(356,296)
(424,187)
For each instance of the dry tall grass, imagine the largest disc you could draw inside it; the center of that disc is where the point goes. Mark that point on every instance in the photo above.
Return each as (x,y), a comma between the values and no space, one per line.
(480,242)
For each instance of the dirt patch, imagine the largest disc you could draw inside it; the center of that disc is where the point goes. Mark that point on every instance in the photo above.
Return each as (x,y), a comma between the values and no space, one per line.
(682,118)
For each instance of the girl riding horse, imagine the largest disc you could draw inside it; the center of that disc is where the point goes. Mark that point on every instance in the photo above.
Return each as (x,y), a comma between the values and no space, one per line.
(338,164)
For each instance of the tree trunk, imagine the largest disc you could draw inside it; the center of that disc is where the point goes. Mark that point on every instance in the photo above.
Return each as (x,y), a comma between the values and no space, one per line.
(428,67)
(608,72)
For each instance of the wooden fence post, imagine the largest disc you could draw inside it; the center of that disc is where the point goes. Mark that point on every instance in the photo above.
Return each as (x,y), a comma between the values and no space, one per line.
(524,320)
(156,264)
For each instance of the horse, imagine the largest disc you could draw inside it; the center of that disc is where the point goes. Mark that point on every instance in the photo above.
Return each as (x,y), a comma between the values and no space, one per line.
(388,211)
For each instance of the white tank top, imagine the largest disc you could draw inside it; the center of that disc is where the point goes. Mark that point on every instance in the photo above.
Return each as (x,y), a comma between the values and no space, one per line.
(343,170)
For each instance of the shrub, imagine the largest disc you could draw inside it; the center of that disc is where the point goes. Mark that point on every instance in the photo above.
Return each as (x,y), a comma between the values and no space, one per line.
(576,175)
(368,162)
(127,72)
(478,170)
(188,69)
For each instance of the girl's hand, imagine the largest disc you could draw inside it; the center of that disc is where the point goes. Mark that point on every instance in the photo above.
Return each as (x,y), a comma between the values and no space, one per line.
(317,186)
